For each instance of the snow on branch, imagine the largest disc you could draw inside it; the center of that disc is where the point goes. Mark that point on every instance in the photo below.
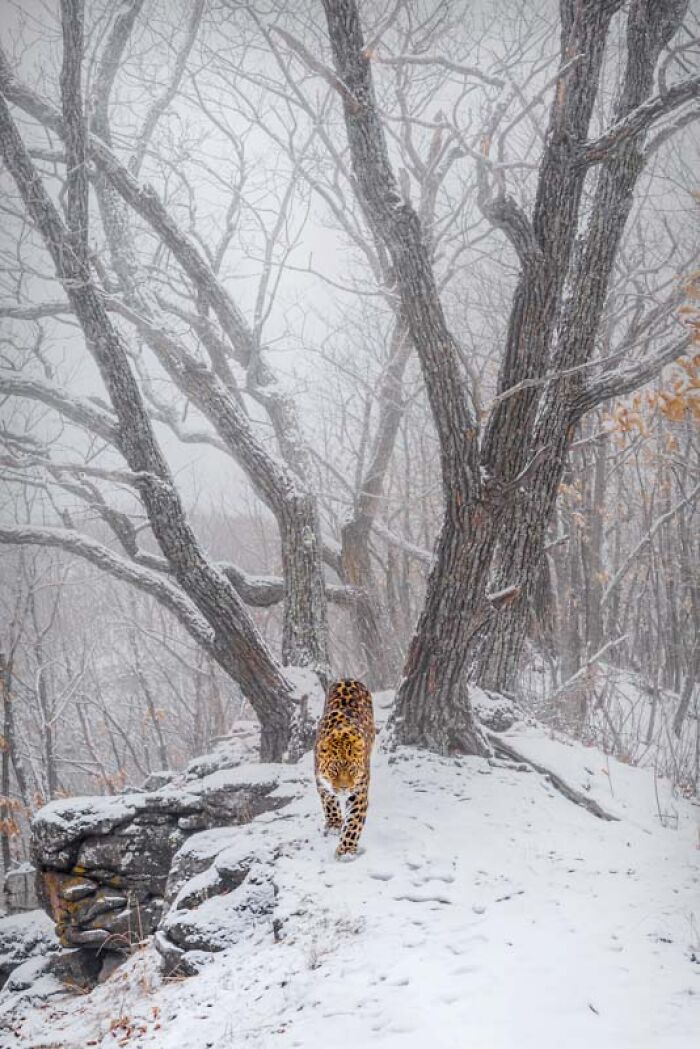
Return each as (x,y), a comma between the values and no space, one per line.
(263,590)
(629,377)
(79,410)
(640,119)
(417,552)
(581,672)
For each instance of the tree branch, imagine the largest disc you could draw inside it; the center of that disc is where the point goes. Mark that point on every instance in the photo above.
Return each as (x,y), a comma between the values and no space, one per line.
(658,523)
(640,119)
(433,60)
(318,67)
(153,583)
(397,226)
(78,409)
(107,70)
(503,212)
(161,104)
(76,197)
(36,312)
(626,379)
(206,390)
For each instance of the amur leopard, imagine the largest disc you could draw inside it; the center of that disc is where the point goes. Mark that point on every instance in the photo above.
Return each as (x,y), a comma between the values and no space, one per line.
(344,741)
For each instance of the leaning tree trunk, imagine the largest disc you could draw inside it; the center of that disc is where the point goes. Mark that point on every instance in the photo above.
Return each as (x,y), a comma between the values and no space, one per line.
(235,641)
(432,708)
(285,488)
(651,24)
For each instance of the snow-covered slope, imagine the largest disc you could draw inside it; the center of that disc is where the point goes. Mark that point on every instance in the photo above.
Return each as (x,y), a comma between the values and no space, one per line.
(486,912)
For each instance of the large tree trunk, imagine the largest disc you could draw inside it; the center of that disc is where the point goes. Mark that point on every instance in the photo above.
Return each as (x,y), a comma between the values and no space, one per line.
(495,654)
(435,665)
(5,758)
(432,706)
(495,657)
(285,488)
(546,255)
(651,24)
(304,623)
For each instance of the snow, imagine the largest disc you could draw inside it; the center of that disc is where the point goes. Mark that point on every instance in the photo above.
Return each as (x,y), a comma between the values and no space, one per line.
(486,911)
(254,775)
(65,813)
(24,935)
(239,748)
(624,716)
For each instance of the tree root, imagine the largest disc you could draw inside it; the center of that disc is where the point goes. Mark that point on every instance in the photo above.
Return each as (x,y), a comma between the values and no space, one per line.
(503,749)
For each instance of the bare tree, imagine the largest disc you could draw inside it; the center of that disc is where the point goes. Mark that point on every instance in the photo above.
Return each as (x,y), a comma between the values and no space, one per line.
(217,613)
(528,432)
(459,362)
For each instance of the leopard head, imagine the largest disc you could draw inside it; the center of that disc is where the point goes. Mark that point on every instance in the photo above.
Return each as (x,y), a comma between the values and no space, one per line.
(342,759)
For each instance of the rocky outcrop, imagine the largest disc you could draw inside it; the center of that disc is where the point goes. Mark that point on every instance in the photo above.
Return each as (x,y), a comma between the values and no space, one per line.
(217,891)
(104,864)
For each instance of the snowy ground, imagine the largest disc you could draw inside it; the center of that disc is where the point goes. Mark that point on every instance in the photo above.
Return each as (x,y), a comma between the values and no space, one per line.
(486,912)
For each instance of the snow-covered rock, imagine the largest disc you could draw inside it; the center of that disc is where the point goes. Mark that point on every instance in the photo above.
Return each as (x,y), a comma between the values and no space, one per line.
(24,937)
(104,863)
(240,747)
(219,890)
(494,711)
(217,908)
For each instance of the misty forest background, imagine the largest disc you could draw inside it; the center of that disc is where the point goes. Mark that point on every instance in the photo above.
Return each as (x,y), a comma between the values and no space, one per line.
(269,335)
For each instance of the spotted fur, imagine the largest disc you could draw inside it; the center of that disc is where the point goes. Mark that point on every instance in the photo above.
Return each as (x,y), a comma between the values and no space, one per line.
(343,747)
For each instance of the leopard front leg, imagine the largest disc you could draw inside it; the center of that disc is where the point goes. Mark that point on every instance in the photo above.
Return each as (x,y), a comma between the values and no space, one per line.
(331,809)
(355,816)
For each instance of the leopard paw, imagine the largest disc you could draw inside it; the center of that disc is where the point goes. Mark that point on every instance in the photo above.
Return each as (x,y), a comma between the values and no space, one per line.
(348,852)
(344,855)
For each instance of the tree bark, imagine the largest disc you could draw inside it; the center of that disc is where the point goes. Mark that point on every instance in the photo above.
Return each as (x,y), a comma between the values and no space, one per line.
(593,551)
(284,488)
(432,707)
(374,629)
(650,26)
